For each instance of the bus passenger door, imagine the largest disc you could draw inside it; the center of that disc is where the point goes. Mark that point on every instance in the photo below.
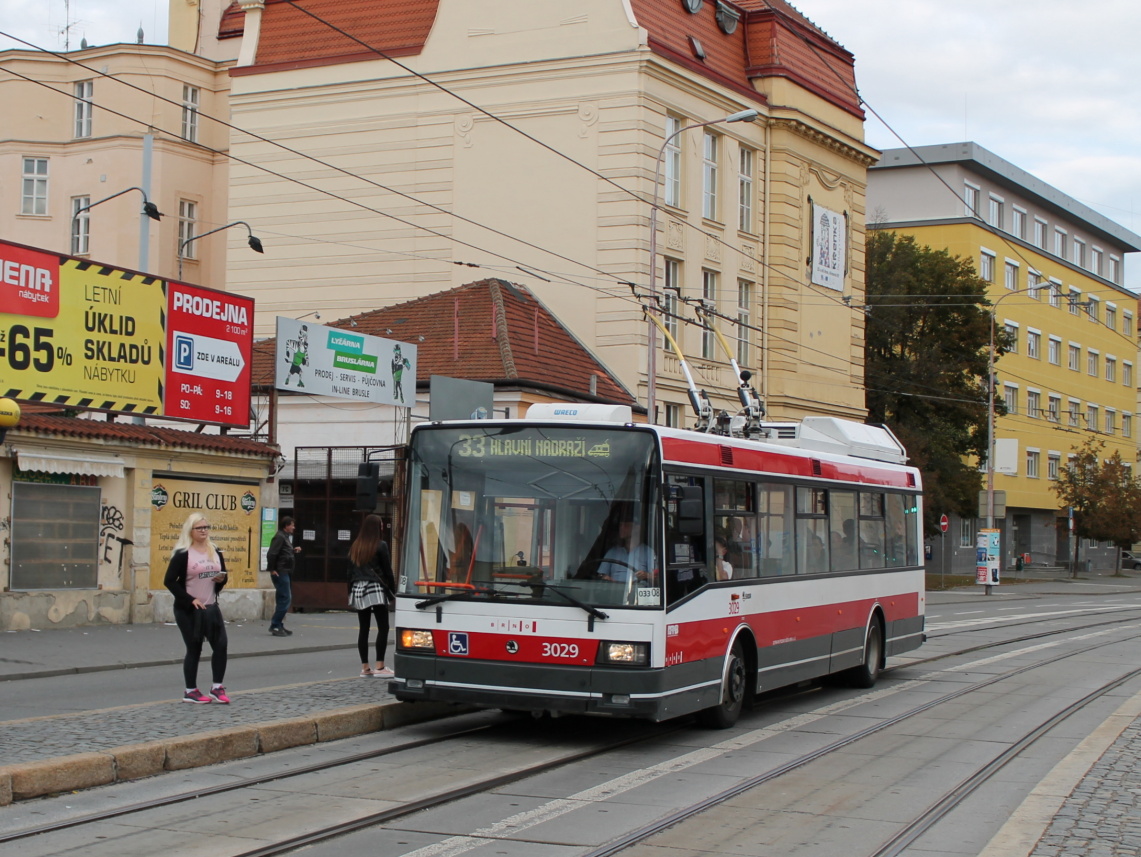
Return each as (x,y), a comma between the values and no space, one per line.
(685,561)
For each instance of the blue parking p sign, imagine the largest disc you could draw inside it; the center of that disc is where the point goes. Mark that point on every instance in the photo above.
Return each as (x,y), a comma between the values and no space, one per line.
(183,353)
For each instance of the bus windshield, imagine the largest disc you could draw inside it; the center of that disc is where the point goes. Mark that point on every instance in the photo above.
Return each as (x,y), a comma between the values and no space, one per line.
(551,514)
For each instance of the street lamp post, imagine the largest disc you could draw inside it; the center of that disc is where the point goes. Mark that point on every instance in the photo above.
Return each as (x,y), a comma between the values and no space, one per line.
(253,241)
(990,409)
(651,331)
(149,209)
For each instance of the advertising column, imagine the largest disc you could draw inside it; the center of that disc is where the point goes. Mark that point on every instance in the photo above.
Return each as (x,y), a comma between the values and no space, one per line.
(987,563)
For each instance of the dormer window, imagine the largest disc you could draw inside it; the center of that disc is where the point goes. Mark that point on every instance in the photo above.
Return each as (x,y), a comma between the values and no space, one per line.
(727,18)
(692,6)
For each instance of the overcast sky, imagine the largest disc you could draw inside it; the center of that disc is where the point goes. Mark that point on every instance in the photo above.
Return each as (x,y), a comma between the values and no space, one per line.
(1049,85)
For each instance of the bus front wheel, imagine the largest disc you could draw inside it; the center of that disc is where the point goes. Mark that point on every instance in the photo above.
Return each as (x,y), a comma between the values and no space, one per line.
(733,691)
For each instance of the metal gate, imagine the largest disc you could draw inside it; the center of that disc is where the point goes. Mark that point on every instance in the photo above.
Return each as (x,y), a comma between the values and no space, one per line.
(324,508)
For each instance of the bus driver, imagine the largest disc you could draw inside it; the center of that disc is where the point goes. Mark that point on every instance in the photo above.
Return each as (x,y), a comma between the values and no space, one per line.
(628,556)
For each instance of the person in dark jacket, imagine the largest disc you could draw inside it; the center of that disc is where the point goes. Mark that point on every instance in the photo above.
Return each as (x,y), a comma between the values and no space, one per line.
(280,561)
(195,576)
(371,588)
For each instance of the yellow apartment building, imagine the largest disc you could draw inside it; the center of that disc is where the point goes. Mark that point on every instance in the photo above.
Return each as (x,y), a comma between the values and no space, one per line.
(1056,272)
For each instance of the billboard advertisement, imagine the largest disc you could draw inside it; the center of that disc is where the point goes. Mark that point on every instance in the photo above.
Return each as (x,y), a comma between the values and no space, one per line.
(80,334)
(235,525)
(329,361)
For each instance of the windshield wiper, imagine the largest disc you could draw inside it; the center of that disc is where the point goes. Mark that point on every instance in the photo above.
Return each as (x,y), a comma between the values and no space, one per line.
(594,612)
(455,596)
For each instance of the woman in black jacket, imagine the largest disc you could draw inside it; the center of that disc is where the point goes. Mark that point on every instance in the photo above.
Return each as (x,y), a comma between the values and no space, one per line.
(195,576)
(371,586)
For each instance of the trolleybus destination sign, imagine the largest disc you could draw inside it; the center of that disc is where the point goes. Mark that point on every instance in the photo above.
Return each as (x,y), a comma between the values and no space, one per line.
(77,333)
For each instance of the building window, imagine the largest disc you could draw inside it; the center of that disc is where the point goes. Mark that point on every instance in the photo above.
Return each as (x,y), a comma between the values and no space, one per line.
(1127,425)
(1093,308)
(1091,417)
(1127,323)
(1079,252)
(191,96)
(1059,243)
(187,228)
(670,292)
(1075,357)
(1111,316)
(1114,270)
(34,194)
(672,163)
(1054,351)
(1074,413)
(1010,398)
(1110,368)
(745,191)
(80,226)
(1074,299)
(1092,360)
(1034,345)
(967,532)
(1053,466)
(1032,463)
(1095,260)
(55,536)
(1055,293)
(1033,404)
(1034,285)
(1039,233)
(1010,275)
(84,91)
(970,200)
(1054,408)
(709,176)
(986,266)
(673,416)
(709,295)
(1018,222)
(1127,373)
(744,322)
(994,212)
(1110,421)
(1011,330)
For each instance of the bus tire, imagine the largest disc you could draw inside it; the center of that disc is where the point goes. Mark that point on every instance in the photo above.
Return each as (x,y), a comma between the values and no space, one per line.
(733,692)
(866,674)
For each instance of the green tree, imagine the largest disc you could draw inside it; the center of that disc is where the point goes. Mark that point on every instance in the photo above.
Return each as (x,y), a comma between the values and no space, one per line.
(926,358)
(1105,497)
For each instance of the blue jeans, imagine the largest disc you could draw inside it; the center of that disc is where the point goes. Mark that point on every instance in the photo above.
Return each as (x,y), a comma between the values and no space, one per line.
(284,596)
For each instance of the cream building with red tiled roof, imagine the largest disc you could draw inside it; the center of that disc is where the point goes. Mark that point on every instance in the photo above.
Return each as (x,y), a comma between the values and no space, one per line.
(396,144)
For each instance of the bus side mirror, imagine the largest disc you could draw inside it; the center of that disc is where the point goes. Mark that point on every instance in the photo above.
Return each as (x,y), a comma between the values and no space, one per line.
(690,511)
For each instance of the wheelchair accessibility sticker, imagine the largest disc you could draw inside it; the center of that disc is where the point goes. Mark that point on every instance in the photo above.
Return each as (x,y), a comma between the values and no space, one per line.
(457,643)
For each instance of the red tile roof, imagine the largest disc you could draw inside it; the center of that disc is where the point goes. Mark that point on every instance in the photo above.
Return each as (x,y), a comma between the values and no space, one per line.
(492,331)
(771,39)
(56,425)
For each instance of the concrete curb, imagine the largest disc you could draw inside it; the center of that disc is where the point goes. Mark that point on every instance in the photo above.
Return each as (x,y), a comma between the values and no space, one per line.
(85,770)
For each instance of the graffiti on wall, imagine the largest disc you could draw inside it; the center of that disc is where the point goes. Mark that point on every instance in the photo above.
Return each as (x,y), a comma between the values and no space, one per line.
(111,542)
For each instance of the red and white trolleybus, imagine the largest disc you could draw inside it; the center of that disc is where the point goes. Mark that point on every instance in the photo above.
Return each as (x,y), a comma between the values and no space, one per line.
(576,562)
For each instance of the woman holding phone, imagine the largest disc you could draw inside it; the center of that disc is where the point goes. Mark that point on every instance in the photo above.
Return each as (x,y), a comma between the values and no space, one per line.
(195,576)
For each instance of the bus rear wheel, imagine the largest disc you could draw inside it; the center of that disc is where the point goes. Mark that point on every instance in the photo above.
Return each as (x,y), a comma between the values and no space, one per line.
(733,691)
(866,674)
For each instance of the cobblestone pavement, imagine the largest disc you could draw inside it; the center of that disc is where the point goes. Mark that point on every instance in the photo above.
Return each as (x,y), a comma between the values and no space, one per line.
(41,738)
(1102,816)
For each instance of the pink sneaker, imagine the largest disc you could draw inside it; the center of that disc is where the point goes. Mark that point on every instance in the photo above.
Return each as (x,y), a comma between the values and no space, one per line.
(196,696)
(384,673)
(218,694)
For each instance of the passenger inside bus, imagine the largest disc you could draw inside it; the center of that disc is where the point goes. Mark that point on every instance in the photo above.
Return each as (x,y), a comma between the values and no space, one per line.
(722,568)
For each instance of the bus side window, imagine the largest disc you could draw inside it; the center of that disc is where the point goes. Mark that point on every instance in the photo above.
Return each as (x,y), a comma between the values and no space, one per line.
(685,559)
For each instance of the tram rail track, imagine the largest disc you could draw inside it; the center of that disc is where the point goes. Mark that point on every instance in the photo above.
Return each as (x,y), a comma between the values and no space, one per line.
(328,832)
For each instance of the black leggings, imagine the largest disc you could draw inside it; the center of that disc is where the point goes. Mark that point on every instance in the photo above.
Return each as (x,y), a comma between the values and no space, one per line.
(197,625)
(381,614)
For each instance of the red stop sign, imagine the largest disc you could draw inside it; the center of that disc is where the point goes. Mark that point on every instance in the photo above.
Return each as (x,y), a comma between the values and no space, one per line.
(944,523)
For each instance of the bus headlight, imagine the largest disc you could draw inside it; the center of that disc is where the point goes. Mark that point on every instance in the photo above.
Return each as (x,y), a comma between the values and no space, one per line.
(629,654)
(413,639)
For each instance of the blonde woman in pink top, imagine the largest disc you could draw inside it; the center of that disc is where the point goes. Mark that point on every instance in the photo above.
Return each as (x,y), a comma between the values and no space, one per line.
(195,576)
